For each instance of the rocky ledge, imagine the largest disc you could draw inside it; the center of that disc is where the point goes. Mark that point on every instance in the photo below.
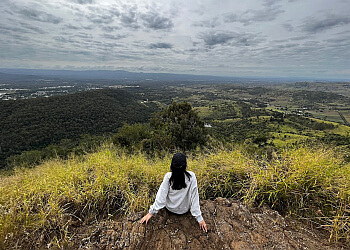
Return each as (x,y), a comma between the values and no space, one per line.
(231,225)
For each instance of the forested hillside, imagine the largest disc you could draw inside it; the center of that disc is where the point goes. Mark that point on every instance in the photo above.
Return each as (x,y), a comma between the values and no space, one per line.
(43,128)
(36,123)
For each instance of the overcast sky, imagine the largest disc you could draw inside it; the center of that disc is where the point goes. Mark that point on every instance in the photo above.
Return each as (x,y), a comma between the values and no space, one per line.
(307,38)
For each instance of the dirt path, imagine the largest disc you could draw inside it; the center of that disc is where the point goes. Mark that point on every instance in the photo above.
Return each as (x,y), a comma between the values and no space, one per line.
(231,225)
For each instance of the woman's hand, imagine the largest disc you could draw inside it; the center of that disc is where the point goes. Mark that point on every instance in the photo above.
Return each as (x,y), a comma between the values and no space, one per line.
(203,226)
(146,218)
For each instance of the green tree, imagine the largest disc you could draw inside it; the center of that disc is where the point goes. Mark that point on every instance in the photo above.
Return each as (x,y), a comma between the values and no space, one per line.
(130,136)
(181,124)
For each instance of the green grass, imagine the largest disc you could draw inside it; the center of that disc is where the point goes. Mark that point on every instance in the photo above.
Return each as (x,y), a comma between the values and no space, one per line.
(203,111)
(228,120)
(43,204)
(346,114)
(342,130)
(327,115)
(283,128)
(283,139)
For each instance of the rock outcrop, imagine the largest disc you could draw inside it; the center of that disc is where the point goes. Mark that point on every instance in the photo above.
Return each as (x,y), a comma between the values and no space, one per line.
(231,225)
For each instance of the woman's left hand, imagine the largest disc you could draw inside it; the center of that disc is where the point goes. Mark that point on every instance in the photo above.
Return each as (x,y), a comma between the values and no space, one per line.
(203,226)
(146,218)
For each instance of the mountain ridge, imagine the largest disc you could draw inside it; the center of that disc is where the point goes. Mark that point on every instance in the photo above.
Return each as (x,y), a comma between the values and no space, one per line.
(123,74)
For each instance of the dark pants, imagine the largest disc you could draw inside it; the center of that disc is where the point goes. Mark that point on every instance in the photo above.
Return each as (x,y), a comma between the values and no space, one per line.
(169,212)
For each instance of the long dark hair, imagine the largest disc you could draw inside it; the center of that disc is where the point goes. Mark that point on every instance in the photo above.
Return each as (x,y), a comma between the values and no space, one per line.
(178,168)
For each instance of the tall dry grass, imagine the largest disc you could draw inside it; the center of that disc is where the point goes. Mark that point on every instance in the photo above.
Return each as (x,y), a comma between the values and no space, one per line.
(312,184)
(41,205)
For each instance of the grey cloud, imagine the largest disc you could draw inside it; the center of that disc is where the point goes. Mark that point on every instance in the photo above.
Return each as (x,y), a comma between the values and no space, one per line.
(232,17)
(41,16)
(159,68)
(251,16)
(110,28)
(339,40)
(287,46)
(312,25)
(215,38)
(4,32)
(281,40)
(129,18)
(311,43)
(269,3)
(22,27)
(208,23)
(101,19)
(62,39)
(77,52)
(228,38)
(153,20)
(160,46)
(297,38)
(83,1)
(195,43)
(33,28)
(85,36)
(306,49)
(90,27)
(101,16)
(72,27)
(114,37)
(9,29)
(114,12)
(9,12)
(197,50)
(288,27)
(66,33)
(154,68)
(345,32)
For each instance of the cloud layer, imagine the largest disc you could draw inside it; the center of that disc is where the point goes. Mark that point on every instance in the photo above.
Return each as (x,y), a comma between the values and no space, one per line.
(251,38)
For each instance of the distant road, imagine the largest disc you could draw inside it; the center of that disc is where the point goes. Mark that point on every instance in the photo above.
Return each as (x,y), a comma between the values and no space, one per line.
(343,118)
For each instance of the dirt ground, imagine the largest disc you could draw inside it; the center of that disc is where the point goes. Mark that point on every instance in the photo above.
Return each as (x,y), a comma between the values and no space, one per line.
(231,225)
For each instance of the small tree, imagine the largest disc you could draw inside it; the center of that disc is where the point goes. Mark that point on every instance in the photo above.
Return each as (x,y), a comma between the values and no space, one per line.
(182,125)
(130,136)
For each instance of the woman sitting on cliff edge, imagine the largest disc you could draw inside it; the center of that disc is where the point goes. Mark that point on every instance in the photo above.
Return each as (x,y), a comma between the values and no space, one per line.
(178,192)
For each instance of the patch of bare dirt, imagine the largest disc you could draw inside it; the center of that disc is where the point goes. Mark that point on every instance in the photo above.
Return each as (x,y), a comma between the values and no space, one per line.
(231,225)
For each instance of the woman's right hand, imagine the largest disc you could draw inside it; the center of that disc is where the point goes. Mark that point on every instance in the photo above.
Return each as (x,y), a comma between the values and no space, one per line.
(203,226)
(146,218)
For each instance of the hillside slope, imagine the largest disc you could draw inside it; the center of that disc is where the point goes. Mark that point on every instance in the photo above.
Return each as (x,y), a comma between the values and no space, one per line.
(82,202)
(36,123)
(231,225)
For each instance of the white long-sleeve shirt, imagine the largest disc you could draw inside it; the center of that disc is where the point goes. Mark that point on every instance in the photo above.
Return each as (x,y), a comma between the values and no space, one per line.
(178,201)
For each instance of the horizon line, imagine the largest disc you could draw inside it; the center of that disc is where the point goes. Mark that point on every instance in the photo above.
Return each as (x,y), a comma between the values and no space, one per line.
(309,78)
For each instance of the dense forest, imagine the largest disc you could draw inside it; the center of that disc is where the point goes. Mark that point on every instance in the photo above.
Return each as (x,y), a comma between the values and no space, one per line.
(36,123)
